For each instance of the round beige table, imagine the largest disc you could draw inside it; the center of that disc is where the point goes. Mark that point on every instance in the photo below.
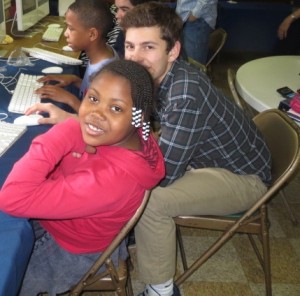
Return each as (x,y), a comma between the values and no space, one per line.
(257,80)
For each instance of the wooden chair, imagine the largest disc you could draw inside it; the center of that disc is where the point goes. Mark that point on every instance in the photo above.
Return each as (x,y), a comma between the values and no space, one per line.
(216,42)
(282,136)
(112,279)
(250,112)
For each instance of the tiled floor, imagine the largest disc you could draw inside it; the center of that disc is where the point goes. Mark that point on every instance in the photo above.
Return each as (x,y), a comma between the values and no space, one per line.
(234,270)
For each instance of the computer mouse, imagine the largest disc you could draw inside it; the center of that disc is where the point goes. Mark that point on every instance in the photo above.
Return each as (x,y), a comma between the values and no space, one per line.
(28,120)
(52,70)
(67,48)
(54,25)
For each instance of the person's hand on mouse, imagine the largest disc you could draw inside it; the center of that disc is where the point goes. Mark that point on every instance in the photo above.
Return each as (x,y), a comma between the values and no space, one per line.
(55,113)
(58,94)
(62,80)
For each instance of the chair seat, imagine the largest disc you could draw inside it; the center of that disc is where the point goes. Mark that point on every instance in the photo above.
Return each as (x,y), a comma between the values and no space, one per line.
(220,223)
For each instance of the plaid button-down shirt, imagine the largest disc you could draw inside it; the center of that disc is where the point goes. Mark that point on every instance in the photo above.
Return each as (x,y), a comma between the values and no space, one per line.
(202,128)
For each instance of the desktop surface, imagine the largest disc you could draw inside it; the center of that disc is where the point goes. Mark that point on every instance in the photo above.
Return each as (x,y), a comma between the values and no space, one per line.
(36,39)
(16,244)
(16,234)
(8,159)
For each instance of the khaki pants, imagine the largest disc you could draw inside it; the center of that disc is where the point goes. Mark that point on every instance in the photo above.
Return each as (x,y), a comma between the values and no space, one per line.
(202,191)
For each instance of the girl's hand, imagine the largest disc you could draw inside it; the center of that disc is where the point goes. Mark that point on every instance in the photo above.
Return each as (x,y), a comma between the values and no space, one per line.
(88,149)
(56,114)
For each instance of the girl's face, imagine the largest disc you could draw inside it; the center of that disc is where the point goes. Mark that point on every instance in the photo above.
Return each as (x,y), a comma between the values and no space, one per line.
(105,113)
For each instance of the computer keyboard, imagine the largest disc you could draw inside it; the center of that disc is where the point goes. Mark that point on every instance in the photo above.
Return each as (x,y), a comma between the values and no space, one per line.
(52,34)
(50,56)
(23,96)
(9,134)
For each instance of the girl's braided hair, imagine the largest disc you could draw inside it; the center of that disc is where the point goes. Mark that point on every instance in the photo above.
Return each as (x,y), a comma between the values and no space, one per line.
(142,88)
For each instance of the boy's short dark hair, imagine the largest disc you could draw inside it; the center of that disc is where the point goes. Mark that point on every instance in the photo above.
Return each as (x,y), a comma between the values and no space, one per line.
(154,14)
(137,2)
(93,14)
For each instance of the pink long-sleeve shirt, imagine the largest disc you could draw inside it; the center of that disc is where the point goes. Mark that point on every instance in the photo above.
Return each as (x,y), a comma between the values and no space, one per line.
(82,202)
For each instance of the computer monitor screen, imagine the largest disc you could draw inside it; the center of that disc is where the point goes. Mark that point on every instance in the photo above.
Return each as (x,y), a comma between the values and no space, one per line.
(2,21)
(26,14)
(43,8)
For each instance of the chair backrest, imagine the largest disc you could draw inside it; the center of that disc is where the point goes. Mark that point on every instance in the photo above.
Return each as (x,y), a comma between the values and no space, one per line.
(231,84)
(216,42)
(236,97)
(88,278)
(198,65)
(282,136)
(63,5)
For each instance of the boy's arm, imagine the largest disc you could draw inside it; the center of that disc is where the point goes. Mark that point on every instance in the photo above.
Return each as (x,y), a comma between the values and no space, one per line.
(59,94)
(62,80)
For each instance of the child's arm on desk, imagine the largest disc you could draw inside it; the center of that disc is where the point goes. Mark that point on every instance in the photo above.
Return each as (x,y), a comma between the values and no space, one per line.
(62,80)
(59,94)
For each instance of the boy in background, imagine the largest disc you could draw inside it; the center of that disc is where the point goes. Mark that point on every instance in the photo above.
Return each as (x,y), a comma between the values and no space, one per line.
(84,32)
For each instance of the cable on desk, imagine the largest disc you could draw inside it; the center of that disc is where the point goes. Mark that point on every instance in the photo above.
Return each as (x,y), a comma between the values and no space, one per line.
(13,80)
(45,45)
(3,116)
(22,35)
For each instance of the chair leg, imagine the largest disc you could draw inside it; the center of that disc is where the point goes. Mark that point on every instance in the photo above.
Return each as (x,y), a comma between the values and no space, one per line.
(289,209)
(129,290)
(256,250)
(205,256)
(266,250)
(181,248)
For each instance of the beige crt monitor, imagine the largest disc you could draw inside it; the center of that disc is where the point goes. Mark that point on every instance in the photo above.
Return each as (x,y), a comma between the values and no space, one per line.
(2,21)
(2,27)
(26,12)
(63,6)
(43,8)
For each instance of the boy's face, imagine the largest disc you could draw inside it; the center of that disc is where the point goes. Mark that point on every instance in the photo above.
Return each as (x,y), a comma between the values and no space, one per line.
(76,35)
(105,113)
(145,46)
(122,7)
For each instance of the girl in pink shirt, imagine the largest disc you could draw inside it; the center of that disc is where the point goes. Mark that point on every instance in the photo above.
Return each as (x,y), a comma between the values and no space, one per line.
(82,203)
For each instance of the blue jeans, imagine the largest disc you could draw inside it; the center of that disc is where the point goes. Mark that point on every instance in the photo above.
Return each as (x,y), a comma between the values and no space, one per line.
(54,270)
(195,39)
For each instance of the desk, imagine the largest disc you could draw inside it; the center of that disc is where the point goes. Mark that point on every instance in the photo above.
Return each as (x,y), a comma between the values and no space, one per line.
(257,80)
(36,40)
(16,237)
(16,241)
